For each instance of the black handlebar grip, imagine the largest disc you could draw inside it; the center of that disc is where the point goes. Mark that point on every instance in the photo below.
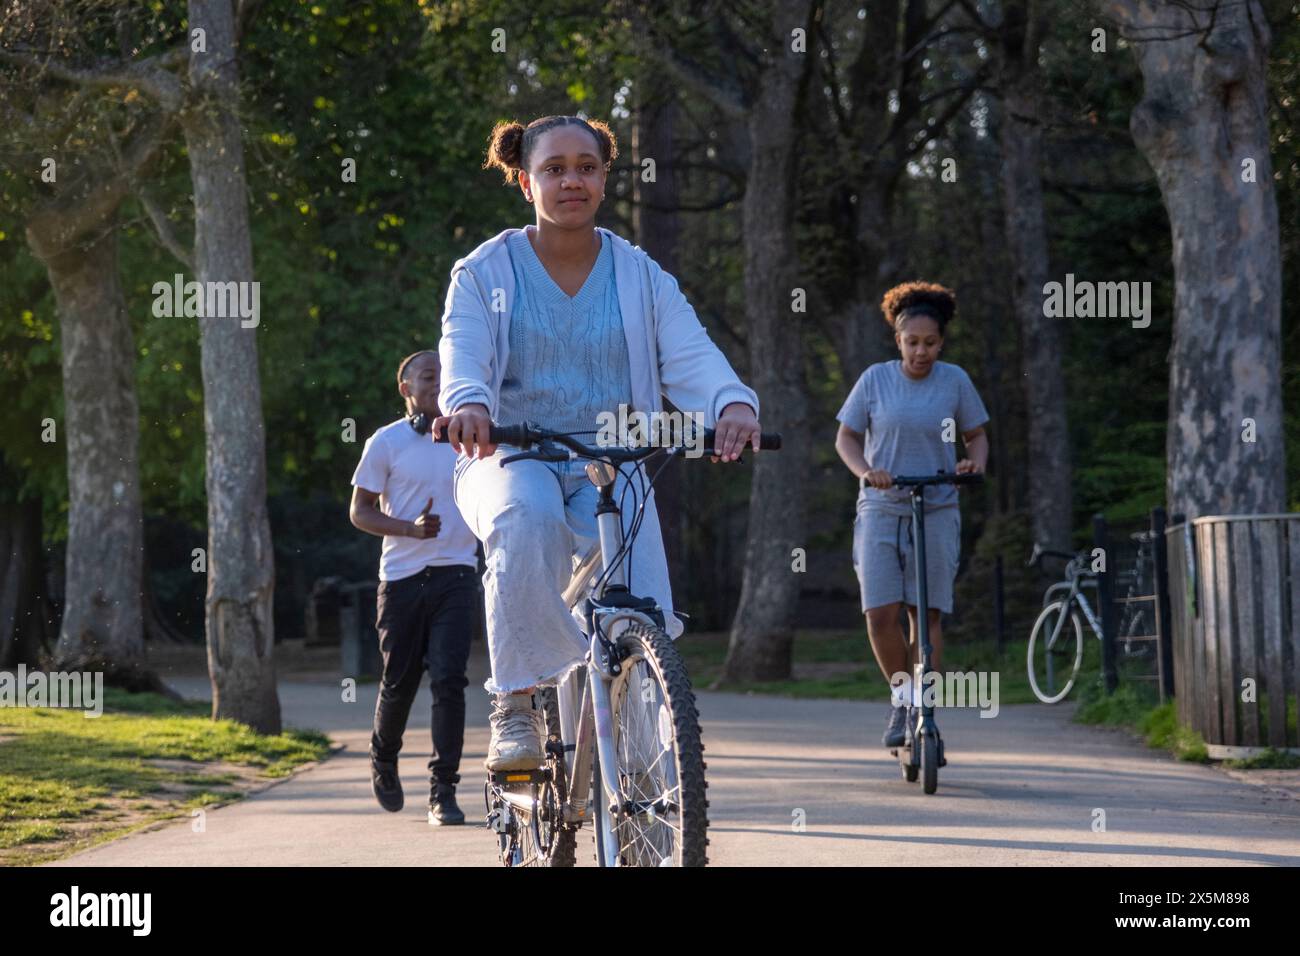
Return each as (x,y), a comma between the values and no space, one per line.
(497,435)
(507,434)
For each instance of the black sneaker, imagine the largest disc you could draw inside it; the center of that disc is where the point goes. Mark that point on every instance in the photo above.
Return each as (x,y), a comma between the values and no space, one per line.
(443,811)
(894,730)
(913,714)
(387,788)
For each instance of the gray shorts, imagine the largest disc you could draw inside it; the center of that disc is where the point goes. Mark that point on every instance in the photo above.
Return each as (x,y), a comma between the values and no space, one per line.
(884,557)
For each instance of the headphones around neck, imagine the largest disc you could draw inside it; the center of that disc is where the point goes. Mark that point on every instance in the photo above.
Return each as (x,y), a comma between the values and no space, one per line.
(420,422)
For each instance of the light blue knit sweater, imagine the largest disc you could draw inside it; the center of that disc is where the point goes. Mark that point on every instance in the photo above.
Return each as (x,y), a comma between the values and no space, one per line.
(568,357)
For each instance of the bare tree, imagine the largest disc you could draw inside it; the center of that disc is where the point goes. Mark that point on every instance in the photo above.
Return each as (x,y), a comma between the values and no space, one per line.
(767,52)
(84,160)
(1020,35)
(878,112)
(1202,124)
(241,570)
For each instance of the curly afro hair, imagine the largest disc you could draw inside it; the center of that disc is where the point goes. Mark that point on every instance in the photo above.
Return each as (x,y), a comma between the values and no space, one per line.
(911,299)
(510,146)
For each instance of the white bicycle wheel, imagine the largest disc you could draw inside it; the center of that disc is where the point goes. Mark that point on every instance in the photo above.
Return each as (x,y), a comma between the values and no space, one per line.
(1049,661)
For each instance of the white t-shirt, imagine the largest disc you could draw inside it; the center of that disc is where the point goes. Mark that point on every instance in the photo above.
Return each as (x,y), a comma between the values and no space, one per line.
(406,469)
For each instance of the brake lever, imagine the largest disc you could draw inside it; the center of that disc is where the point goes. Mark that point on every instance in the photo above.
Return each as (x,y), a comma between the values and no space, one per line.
(544,452)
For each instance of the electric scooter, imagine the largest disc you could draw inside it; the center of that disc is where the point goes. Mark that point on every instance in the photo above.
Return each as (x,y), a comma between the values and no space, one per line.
(922,753)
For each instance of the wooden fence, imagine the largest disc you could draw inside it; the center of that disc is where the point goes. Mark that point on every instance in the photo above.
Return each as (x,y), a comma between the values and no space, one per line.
(1234,600)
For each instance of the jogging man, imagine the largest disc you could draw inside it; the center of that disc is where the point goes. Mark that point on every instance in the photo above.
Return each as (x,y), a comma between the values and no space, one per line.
(428,587)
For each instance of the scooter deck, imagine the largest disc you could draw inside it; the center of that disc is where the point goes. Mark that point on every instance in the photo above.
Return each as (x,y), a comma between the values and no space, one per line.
(893,752)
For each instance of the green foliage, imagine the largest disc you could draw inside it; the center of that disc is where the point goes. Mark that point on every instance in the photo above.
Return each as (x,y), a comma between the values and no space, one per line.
(353,274)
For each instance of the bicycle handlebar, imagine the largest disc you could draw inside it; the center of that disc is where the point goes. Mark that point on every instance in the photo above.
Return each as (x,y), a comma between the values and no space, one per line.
(527,434)
(1036,556)
(942,478)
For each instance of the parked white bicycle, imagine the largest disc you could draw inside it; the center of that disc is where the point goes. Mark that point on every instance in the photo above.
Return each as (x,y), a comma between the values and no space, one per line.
(1055,653)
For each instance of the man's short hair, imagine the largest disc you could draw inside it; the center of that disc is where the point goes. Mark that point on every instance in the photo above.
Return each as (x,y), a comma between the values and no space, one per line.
(401,369)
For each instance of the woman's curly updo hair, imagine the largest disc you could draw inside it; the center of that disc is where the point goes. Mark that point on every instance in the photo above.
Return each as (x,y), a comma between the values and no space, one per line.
(912,299)
(510,147)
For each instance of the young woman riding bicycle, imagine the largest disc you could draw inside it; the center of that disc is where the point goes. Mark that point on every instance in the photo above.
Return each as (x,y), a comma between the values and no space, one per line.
(555,324)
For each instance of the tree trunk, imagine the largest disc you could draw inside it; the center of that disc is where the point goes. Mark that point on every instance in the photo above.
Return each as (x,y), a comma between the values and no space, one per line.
(1050,489)
(1203,115)
(22,582)
(101,627)
(762,635)
(240,564)
(102,619)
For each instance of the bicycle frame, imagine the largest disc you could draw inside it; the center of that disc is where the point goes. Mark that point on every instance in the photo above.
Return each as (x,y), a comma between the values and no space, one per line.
(1075,596)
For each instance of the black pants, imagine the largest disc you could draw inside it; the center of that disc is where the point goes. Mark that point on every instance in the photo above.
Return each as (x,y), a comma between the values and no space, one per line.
(425,621)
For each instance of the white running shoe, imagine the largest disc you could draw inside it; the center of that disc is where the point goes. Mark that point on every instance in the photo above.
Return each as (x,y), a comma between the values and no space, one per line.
(518,729)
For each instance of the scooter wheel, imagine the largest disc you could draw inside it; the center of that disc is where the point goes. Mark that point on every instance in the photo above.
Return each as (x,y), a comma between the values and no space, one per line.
(929,764)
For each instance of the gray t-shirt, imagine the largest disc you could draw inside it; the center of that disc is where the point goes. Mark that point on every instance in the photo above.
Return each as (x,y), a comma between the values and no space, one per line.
(905,422)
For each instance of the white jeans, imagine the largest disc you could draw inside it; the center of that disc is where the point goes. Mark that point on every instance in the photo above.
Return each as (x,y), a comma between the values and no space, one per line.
(532,517)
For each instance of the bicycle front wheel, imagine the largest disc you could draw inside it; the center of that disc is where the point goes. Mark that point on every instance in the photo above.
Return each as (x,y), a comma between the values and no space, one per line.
(1055,654)
(660,816)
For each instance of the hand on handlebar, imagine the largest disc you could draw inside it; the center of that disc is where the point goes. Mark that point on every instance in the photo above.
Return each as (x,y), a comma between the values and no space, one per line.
(469,429)
(968,467)
(737,427)
(879,478)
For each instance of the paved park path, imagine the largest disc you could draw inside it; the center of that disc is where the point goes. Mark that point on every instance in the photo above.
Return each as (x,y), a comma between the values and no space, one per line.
(1019,789)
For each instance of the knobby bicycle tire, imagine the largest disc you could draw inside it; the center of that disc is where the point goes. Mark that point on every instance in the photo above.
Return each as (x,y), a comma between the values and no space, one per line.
(646,642)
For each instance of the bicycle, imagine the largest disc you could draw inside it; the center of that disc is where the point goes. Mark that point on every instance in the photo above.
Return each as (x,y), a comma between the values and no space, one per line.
(924,760)
(1048,638)
(624,726)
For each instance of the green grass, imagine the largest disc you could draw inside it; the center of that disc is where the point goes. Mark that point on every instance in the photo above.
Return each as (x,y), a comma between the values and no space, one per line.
(66,778)
(1137,707)
(1270,759)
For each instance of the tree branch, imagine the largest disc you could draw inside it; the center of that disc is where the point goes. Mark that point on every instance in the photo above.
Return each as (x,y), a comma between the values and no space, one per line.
(151,75)
(724,92)
(163,227)
(244,14)
(89,201)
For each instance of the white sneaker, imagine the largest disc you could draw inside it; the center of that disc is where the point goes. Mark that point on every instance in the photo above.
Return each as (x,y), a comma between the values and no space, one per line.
(518,729)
